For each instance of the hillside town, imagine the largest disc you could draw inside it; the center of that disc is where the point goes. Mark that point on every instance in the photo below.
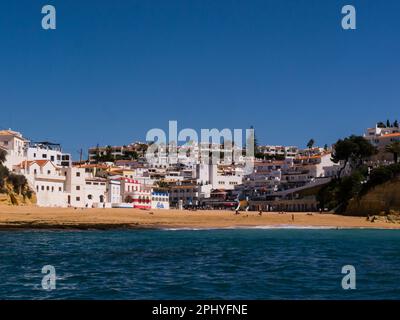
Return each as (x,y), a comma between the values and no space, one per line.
(282,177)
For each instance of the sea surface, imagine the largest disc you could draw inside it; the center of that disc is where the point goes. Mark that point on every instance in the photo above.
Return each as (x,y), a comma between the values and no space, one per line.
(201,264)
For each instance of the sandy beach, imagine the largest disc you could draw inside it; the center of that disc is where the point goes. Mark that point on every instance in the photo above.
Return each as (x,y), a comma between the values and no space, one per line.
(32,217)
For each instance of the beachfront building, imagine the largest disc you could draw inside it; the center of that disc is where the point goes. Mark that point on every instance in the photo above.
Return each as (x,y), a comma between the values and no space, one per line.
(14,144)
(96,192)
(186,193)
(114,190)
(132,191)
(83,190)
(46,180)
(160,200)
(74,186)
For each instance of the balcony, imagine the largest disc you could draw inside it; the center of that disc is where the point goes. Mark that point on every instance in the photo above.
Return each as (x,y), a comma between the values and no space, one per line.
(47,177)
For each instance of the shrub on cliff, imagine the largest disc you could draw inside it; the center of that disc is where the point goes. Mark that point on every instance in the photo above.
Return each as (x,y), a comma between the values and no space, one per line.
(380,175)
(337,194)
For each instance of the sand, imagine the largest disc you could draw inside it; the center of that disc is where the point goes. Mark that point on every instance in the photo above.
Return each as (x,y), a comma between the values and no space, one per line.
(32,217)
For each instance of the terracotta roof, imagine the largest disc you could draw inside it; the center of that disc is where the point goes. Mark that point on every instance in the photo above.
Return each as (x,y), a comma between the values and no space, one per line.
(41,163)
(12,133)
(272,163)
(316,156)
(100,166)
(389,135)
(8,132)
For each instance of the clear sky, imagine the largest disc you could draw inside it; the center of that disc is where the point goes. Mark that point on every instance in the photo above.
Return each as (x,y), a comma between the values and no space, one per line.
(112,70)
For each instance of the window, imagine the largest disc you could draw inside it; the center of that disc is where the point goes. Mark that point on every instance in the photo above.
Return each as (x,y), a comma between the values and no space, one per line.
(78,188)
(78,198)
(47,188)
(42,188)
(52,189)
(34,171)
(34,155)
(48,172)
(52,158)
(59,189)
(37,188)
(78,174)
(90,197)
(44,155)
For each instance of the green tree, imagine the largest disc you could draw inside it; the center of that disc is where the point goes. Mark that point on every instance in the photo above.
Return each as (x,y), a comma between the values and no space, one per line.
(396,124)
(388,123)
(353,151)
(394,148)
(18,181)
(380,124)
(162,184)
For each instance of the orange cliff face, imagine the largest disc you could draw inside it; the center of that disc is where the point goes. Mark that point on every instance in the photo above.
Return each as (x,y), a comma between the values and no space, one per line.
(384,198)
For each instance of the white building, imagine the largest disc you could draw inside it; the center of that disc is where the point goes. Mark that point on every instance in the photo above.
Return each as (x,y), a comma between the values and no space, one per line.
(219,176)
(114,190)
(74,186)
(96,192)
(159,200)
(282,151)
(15,146)
(49,151)
(382,136)
(46,180)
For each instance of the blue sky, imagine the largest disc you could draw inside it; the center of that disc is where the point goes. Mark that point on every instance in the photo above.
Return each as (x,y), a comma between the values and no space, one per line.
(112,70)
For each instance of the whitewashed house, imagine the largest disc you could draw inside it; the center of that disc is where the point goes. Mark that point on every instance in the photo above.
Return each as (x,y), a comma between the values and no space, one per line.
(15,146)
(46,180)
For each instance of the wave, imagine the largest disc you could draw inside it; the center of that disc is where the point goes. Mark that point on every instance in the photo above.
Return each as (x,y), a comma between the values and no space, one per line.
(266,227)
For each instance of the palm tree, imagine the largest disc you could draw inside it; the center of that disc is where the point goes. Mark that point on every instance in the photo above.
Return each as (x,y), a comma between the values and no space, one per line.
(394,148)
(310,143)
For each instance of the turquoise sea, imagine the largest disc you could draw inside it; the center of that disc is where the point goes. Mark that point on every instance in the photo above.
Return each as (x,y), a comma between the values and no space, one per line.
(201,264)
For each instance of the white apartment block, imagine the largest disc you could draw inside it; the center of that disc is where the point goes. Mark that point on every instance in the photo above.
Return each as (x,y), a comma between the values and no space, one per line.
(285,151)
(381,137)
(305,169)
(49,151)
(218,176)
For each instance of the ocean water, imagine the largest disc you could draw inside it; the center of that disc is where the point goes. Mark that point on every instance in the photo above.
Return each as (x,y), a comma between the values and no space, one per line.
(201,264)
